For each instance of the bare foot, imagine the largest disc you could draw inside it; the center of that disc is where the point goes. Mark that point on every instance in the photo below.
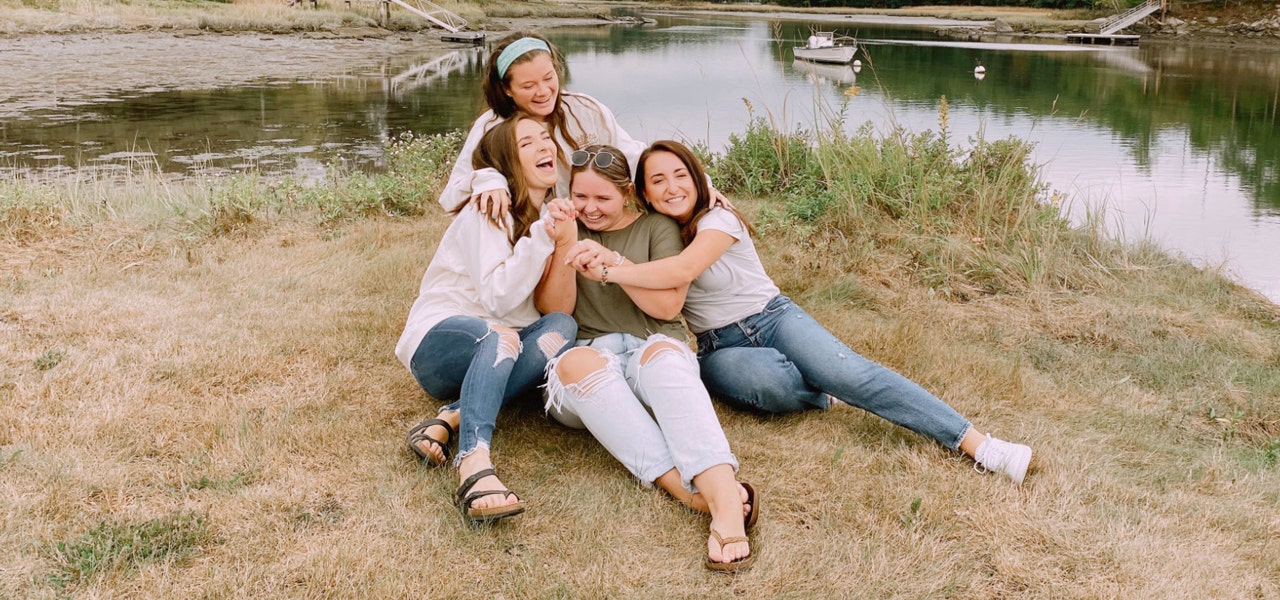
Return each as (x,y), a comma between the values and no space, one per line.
(698,503)
(736,546)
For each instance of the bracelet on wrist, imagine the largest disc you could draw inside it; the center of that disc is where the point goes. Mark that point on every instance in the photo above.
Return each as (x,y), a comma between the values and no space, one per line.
(604,275)
(617,258)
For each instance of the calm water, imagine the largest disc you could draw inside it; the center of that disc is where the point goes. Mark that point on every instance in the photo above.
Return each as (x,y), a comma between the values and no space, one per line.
(1178,144)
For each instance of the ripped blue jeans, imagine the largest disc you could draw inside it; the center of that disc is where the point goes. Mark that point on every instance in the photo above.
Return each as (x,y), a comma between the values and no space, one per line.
(462,358)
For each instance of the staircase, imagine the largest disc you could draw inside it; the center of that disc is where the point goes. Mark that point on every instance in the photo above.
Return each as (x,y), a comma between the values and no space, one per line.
(1128,17)
(434,13)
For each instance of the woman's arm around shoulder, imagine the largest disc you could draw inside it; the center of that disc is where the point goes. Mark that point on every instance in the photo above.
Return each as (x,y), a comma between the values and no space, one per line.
(664,242)
(464,181)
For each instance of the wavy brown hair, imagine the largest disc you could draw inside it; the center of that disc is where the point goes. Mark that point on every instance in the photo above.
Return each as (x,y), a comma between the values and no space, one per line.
(688,229)
(495,86)
(498,150)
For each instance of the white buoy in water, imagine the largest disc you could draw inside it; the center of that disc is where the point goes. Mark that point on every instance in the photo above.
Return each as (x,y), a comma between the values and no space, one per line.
(979,70)
(857,66)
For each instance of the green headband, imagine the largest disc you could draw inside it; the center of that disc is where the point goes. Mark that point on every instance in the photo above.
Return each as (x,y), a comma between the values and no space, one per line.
(517,49)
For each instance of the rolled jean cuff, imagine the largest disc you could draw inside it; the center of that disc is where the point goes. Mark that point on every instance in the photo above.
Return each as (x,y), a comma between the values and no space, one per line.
(960,438)
(702,464)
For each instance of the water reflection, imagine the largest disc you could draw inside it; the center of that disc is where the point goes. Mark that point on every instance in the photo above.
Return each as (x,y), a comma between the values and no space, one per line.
(274,126)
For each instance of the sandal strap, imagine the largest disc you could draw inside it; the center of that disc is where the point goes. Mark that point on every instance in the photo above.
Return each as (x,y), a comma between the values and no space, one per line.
(470,482)
(419,434)
(473,496)
(729,540)
(421,428)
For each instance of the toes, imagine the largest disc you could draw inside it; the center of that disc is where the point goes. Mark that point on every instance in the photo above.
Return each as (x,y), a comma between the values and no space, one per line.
(488,484)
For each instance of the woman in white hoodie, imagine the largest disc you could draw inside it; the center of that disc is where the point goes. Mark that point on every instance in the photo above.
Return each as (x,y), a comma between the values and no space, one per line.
(474,335)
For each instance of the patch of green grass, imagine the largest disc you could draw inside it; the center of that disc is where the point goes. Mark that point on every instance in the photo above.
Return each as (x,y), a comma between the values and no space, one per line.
(49,359)
(123,547)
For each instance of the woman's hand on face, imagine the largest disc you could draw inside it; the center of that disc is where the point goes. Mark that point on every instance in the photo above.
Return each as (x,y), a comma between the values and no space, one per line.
(718,199)
(495,203)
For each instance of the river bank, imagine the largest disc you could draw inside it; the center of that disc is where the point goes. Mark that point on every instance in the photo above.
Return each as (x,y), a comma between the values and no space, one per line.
(45,61)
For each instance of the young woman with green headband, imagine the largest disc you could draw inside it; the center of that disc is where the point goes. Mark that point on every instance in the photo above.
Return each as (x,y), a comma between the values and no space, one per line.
(524,75)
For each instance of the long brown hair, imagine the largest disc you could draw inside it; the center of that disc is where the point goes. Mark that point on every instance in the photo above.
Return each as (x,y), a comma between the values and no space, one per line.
(702,205)
(495,86)
(498,150)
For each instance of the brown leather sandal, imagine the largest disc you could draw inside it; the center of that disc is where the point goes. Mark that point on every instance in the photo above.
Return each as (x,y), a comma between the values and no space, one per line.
(464,497)
(730,567)
(418,435)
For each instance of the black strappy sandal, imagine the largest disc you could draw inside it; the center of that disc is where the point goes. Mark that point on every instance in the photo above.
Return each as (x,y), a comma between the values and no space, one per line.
(419,434)
(464,497)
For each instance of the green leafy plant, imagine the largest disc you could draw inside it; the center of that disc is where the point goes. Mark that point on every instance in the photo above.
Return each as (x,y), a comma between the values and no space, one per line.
(49,359)
(111,546)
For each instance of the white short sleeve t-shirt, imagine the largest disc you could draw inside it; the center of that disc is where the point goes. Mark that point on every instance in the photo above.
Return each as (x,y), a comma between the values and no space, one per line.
(734,287)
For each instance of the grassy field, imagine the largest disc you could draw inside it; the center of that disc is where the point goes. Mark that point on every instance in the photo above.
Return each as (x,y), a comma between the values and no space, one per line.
(198,398)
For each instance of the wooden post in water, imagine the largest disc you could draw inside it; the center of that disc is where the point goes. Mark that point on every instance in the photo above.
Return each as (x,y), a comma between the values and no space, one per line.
(386,14)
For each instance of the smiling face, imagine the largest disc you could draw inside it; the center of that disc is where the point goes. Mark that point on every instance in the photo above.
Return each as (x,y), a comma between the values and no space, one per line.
(537,154)
(669,187)
(601,205)
(534,85)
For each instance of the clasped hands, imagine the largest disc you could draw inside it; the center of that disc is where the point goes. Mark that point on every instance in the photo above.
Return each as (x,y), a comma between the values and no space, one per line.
(561,223)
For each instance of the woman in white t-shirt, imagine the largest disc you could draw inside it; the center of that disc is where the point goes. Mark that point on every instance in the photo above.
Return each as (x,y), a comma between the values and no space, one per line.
(757,349)
(474,334)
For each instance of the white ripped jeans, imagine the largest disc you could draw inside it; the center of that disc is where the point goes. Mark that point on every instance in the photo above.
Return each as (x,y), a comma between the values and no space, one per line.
(651,417)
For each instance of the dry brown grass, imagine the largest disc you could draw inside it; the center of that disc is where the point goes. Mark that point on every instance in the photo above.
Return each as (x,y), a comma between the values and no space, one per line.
(235,388)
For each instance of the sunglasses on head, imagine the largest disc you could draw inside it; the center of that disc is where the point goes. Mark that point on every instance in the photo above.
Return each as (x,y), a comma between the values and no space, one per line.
(580,157)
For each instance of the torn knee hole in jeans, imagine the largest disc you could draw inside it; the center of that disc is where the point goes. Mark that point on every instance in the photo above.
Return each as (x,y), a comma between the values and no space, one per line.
(508,343)
(657,352)
(550,343)
(582,388)
(664,349)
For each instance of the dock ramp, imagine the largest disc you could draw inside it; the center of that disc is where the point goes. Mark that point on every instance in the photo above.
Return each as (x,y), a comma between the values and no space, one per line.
(1129,17)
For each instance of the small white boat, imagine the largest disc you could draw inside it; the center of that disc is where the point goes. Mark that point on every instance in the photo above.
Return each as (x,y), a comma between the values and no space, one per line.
(827,47)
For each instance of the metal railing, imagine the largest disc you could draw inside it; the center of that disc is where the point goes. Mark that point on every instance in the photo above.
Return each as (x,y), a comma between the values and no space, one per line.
(1129,17)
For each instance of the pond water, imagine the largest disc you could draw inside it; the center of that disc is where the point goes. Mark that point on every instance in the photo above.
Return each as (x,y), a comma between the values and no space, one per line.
(1175,143)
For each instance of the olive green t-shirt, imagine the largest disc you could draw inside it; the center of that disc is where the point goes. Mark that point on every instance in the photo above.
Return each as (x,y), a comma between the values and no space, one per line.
(605,309)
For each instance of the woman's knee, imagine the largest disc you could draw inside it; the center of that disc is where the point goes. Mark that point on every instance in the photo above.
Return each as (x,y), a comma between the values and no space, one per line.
(508,342)
(664,347)
(577,364)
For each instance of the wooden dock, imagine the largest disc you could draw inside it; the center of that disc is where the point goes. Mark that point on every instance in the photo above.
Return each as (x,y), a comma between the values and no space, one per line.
(1101,39)
(463,37)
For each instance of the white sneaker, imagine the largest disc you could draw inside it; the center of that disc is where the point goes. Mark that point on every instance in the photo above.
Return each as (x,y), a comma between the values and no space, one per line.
(1005,458)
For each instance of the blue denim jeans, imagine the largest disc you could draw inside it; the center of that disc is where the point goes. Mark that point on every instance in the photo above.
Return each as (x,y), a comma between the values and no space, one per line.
(459,359)
(781,360)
